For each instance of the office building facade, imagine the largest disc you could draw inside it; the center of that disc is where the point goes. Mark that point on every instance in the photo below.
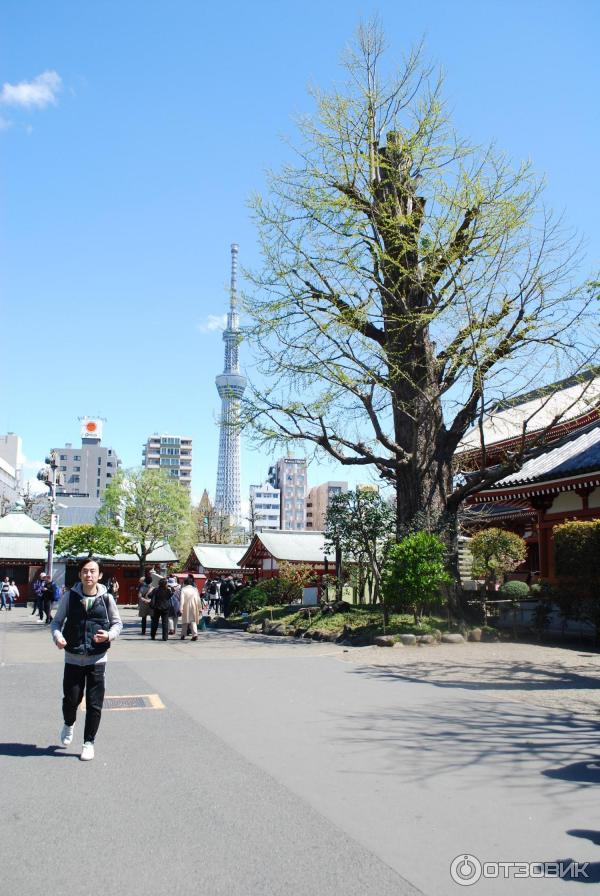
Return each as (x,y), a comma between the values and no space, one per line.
(87,470)
(318,501)
(289,476)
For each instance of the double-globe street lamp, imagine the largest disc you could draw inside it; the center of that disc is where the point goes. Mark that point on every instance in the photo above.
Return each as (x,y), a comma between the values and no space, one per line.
(49,476)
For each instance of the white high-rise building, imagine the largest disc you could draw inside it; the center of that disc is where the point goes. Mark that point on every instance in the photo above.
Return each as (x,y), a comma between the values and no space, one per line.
(170,453)
(264,507)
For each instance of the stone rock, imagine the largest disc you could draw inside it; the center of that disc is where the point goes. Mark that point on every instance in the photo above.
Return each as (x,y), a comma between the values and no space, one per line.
(453,639)
(426,639)
(437,634)
(254,628)
(408,640)
(274,628)
(398,644)
(331,636)
(384,641)
(342,606)
(475,634)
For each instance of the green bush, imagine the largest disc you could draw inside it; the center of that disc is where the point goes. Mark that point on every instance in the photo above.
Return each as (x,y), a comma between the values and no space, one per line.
(414,573)
(514,590)
(247,600)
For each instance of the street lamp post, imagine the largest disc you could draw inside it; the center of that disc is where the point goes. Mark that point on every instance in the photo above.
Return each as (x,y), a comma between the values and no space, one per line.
(51,478)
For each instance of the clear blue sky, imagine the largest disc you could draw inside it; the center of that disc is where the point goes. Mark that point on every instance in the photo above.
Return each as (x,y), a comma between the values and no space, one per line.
(137,133)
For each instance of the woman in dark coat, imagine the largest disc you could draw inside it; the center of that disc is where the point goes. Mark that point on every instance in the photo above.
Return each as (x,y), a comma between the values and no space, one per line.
(161,605)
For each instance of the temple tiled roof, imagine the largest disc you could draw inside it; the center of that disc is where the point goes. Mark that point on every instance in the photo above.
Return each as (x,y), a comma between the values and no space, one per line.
(574,455)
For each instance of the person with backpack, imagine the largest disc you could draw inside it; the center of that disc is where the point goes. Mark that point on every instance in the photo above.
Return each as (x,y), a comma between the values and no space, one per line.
(161,607)
(48,596)
(86,622)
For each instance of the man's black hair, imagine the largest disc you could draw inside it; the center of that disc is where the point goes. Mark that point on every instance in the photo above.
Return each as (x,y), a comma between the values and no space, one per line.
(87,560)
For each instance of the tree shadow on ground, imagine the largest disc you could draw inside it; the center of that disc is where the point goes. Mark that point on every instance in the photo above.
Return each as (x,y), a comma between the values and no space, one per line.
(430,739)
(26,751)
(501,675)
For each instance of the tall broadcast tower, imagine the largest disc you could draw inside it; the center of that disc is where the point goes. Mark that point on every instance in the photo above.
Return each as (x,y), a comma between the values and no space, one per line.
(230,386)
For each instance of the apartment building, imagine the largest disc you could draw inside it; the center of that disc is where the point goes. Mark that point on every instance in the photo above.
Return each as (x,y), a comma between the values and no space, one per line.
(265,507)
(318,501)
(289,476)
(170,453)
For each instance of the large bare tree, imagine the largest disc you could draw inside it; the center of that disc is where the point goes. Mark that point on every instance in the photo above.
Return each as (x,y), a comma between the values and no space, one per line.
(410,281)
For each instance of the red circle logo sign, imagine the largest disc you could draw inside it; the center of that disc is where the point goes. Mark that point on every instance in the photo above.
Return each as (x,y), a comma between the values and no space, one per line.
(90,426)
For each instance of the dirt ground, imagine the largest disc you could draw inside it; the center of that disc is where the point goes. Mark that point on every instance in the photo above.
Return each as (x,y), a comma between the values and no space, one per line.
(563,679)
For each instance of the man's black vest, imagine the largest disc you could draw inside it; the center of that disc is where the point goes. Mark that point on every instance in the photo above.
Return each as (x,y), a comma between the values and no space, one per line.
(81,626)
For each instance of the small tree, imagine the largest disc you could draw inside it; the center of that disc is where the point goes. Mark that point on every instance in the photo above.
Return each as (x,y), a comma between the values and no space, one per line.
(360,524)
(102,540)
(414,574)
(293,577)
(496,552)
(151,507)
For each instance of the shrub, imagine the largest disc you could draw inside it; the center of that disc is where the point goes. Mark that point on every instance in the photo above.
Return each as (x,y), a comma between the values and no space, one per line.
(414,573)
(247,600)
(577,549)
(514,590)
(496,552)
(577,552)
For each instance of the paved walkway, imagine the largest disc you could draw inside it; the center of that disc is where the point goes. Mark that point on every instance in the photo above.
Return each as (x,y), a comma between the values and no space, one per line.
(298,768)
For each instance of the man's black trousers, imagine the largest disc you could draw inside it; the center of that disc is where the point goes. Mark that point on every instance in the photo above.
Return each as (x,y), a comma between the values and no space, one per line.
(78,679)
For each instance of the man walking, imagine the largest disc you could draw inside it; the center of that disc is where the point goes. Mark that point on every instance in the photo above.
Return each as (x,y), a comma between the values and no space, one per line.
(86,622)
(38,600)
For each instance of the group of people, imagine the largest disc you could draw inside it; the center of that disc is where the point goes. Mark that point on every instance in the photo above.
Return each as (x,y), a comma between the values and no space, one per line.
(9,593)
(219,592)
(168,603)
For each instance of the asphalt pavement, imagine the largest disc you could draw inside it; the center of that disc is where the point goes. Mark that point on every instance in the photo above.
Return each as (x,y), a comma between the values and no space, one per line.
(282,767)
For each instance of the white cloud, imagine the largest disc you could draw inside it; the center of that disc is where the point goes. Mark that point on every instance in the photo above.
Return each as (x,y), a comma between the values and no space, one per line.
(213,322)
(37,93)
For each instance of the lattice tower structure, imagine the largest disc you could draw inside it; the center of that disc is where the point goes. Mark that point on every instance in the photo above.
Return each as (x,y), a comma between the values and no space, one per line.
(230,386)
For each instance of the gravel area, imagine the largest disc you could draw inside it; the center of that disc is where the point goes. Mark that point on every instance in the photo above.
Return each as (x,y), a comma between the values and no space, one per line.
(566,680)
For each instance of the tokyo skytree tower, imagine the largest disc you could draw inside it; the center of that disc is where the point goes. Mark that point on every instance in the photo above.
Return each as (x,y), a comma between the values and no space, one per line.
(230,386)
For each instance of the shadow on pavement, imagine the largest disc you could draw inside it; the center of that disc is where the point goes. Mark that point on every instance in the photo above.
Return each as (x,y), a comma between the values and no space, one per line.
(585,772)
(485,676)
(26,750)
(437,738)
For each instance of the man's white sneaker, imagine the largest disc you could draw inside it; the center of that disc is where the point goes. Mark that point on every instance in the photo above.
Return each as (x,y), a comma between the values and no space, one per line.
(66,735)
(87,751)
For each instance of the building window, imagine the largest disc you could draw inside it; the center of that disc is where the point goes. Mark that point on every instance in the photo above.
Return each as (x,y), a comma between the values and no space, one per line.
(77,457)
(98,483)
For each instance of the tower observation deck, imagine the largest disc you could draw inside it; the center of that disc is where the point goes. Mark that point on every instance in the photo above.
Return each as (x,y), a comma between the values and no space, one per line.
(230,386)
